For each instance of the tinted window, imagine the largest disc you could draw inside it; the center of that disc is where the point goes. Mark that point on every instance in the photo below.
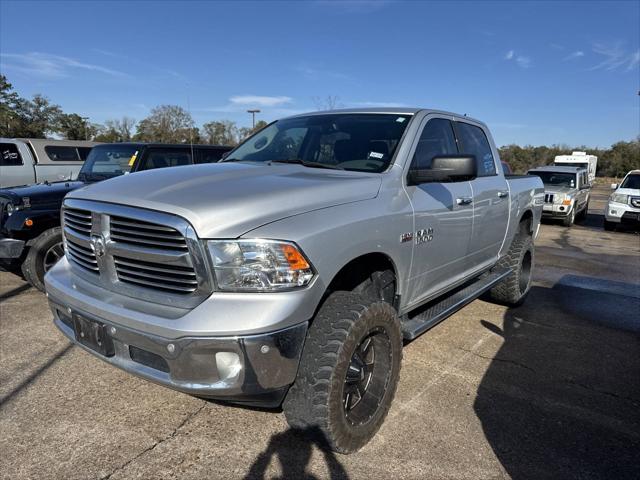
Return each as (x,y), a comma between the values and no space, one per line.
(210,155)
(9,155)
(84,152)
(106,161)
(474,142)
(62,154)
(632,181)
(166,157)
(350,141)
(436,139)
(553,178)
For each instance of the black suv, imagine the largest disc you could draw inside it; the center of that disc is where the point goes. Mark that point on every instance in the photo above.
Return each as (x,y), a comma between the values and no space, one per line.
(30,234)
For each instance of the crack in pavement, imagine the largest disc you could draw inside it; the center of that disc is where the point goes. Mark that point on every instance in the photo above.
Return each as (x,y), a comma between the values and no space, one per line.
(498,359)
(632,400)
(173,434)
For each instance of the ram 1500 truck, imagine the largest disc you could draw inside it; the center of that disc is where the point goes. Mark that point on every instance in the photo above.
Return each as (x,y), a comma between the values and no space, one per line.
(291,272)
(30,233)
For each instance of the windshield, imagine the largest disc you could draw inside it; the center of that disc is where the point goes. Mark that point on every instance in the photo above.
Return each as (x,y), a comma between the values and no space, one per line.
(632,181)
(107,161)
(553,178)
(361,142)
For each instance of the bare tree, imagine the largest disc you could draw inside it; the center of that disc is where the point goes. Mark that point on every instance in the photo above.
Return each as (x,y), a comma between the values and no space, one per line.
(167,124)
(223,132)
(330,102)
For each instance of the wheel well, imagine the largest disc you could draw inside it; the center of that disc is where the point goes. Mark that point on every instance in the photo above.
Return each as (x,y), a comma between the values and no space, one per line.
(360,269)
(526,223)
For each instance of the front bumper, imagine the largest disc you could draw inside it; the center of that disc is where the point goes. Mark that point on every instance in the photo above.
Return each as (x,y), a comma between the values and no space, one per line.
(254,369)
(11,248)
(264,333)
(622,213)
(556,211)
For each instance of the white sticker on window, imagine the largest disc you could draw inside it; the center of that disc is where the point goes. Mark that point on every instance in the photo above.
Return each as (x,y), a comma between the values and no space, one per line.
(376,155)
(400,119)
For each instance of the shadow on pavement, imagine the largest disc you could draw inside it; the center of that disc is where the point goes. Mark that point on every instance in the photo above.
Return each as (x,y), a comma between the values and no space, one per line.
(561,398)
(14,292)
(293,449)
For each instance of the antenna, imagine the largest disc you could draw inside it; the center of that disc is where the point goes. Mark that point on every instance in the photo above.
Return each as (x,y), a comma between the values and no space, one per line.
(193,160)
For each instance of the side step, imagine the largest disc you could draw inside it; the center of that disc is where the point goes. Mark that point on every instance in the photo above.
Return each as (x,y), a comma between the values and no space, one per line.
(434,313)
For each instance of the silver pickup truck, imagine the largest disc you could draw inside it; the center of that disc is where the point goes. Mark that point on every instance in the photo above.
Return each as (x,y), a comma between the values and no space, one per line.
(291,272)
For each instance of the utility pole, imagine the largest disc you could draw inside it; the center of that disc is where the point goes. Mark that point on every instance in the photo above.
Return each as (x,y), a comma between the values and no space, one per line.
(253,115)
(86,130)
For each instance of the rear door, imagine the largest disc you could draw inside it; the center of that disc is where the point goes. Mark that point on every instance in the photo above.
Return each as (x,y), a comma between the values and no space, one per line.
(490,197)
(442,216)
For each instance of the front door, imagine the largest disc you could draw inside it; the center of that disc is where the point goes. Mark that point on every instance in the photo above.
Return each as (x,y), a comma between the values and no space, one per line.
(442,217)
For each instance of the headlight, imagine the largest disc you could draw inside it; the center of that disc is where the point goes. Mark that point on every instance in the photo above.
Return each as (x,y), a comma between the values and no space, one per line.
(11,208)
(258,265)
(619,198)
(562,200)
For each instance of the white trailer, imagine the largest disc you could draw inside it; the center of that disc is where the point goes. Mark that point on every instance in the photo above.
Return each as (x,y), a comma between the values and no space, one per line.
(579,159)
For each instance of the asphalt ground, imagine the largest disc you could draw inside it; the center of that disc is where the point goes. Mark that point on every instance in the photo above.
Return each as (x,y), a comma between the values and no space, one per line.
(550,389)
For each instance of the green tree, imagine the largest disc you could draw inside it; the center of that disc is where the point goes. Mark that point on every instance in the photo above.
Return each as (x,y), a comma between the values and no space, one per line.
(222,132)
(167,124)
(74,127)
(8,101)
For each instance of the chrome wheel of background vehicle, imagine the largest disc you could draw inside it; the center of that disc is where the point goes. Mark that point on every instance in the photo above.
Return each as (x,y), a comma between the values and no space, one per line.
(367,377)
(52,255)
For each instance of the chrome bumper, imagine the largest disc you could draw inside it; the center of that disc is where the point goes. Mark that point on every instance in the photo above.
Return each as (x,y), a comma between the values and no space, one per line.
(11,248)
(254,369)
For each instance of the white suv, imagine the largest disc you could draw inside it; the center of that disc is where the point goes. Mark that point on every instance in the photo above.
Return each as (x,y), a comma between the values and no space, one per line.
(624,202)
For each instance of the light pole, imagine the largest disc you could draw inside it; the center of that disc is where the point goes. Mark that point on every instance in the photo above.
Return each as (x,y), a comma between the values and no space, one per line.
(86,130)
(253,115)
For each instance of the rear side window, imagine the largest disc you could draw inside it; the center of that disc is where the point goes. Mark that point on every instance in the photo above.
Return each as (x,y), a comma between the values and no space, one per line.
(436,139)
(474,142)
(9,155)
(59,153)
(166,157)
(210,155)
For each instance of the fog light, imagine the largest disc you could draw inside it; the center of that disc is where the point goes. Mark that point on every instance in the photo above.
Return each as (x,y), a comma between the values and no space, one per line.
(171,348)
(562,209)
(614,212)
(228,364)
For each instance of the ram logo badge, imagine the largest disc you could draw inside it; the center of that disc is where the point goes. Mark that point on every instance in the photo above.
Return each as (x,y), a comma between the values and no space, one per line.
(424,235)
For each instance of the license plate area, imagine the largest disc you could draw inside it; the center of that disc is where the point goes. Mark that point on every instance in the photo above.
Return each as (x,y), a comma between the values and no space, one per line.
(93,334)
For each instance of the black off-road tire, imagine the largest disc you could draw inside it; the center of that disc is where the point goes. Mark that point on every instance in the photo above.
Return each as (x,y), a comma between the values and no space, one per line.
(582,216)
(39,258)
(316,401)
(520,259)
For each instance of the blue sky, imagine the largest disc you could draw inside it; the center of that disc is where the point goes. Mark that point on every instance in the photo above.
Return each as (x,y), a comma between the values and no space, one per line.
(537,72)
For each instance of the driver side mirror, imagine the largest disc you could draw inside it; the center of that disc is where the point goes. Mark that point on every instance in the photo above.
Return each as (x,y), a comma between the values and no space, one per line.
(614,186)
(446,168)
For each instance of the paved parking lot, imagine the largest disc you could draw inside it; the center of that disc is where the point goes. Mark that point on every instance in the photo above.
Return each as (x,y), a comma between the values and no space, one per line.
(549,389)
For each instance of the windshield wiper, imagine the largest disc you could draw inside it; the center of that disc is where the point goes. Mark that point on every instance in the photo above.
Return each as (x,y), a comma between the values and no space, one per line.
(307,163)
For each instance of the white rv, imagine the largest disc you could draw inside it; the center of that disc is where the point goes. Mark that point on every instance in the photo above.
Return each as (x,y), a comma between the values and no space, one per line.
(579,159)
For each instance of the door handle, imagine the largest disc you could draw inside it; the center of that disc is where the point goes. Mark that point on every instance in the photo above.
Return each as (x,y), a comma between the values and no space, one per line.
(503,194)
(464,200)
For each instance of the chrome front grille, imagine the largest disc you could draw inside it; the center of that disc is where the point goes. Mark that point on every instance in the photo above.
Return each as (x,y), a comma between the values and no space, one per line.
(78,220)
(175,279)
(82,255)
(146,234)
(548,197)
(140,253)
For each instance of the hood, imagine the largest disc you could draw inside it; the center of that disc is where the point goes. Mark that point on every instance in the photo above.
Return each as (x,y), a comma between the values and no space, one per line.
(558,189)
(226,200)
(41,195)
(634,192)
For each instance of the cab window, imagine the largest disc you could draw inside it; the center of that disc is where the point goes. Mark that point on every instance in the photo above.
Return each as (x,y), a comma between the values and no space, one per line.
(166,157)
(474,142)
(59,153)
(436,139)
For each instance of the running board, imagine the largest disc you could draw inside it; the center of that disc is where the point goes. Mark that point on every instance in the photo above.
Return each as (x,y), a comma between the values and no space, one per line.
(436,312)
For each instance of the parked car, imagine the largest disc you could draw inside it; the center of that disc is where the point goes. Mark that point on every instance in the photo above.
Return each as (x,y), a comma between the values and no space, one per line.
(624,203)
(291,272)
(24,161)
(567,191)
(30,235)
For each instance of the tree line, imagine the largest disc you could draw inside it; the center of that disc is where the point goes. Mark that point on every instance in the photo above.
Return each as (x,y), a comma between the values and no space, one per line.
(39,118)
